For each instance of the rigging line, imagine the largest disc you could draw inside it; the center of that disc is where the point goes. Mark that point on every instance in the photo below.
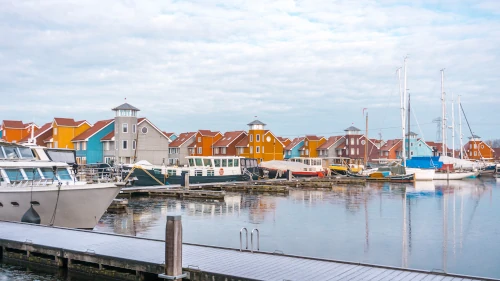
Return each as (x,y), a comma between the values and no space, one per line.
(471,133)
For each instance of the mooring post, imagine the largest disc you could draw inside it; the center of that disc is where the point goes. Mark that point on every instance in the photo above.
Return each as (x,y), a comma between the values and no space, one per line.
(173,249)
(288,175)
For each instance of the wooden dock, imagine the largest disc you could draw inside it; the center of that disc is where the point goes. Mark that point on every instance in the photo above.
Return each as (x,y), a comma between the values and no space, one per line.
(133,258)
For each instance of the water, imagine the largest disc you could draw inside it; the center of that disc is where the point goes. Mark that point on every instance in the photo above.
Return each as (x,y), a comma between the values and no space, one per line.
(427,225)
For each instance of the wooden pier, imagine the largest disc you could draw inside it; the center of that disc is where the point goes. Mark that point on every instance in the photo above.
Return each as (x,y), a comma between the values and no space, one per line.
(133,258)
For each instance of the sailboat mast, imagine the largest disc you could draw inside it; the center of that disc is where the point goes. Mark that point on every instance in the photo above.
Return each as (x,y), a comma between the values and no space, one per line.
(460,129)
(366,141)
(403,112)
(453,125)
(408,129)
(443,112)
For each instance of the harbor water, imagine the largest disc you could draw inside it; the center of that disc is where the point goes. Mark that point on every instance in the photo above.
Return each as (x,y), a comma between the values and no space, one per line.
(440,226)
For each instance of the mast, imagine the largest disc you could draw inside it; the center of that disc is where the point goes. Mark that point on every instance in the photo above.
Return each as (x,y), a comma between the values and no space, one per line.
(460,128)
(452,126)
(443,112)
(366,141)
(32,131)
(408,129)
(403,109)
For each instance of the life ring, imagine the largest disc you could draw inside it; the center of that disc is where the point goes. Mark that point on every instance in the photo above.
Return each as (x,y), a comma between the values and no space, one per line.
(221,171)
(321,175)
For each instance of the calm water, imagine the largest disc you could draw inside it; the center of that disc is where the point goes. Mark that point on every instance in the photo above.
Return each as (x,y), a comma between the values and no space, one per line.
(426,225)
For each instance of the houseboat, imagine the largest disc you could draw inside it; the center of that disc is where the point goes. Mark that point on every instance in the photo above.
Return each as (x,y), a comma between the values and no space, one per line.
(201,169)
(35,189)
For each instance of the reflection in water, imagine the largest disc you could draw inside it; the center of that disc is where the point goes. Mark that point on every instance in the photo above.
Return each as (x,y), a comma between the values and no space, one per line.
(426,225)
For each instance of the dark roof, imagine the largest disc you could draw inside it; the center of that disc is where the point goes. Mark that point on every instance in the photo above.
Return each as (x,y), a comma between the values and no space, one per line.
(99,125)
(395,143)
(181,139)
(38,132)
(256,122)
(208,133)
(109,136)
(294,143)
(243,142)
(13,124)
(126,106)
(68,122)
(329,142)
(228,138)
(352,128)
(313,138)
(168,135)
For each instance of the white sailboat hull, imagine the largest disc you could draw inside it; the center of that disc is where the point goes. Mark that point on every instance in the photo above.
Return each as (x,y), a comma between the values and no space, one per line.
(454,175)
(422,174)
(78,206)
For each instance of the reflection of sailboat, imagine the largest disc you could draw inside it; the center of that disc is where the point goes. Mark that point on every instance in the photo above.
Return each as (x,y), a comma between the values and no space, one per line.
(421,189)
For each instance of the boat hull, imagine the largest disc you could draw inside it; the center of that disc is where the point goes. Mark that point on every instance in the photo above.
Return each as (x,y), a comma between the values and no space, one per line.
(422,174)
(78,206)
(143,179)
(454,175)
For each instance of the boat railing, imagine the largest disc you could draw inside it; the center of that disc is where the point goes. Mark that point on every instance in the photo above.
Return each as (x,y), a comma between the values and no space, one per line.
(96,174)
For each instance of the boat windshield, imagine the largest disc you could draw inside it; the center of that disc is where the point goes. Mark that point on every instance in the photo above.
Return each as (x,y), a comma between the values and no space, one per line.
(207,162)
(191,162)
(63,174)
(11,152)
(66,156)
(229,162)
(32,174)
(236,162)
(47,173)
(14,174)
(307,161)
(224,162)
(26,153)
(217,162)
(199,162)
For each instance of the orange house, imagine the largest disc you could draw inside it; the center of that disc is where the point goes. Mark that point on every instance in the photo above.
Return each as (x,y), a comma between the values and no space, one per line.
(477,149)
(391,149)
(311,144)
(64,130)
(15,130)
(226,146)
(203,143)
(260,144)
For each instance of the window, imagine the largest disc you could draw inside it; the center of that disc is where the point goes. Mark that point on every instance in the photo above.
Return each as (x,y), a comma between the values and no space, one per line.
(251,149)
(134,128)
(346,141)
(475,145)
(84,145)
(216,150)
(133,144)
(199,139)
(144,130)
(257,149)
(352,149)
(224,163)
(307,143)
(289,152)
(106,145)
(217,162)
(55,131)
(56,144)
(475,153)
(307,151)
(257,137)
(251,138)
(411,144)
(262,149)
(357,141)
(199,162)
(200,150)
(321,153)
(207,163)
(352,142)
(357,151)
(411,153)
(14,174)
(124,128)
(223,150)
(420,145)
(124,145)
(229,162)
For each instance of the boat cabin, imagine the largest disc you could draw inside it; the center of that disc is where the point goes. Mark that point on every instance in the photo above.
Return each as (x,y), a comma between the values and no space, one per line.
(317,164)
(212,166)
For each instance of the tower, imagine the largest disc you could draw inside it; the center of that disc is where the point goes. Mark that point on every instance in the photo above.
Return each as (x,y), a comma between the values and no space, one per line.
(125,133)
(256,139)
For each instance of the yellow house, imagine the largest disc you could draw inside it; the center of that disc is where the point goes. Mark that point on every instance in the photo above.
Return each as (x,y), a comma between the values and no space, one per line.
(311,144)
(260,144)
(64,130)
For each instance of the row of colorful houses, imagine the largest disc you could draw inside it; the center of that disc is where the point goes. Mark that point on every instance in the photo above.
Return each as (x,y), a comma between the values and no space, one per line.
(126,138)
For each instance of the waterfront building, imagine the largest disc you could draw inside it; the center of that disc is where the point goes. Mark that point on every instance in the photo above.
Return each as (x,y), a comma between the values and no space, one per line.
(40,135)
(292,149)
(204,142)
(171,136)
(88,145)
(437,149)
(15,130)
(310,146)
(260,143)
(330,147)
(64,130)
(354,147)
(178,148)
(477,149)
(391,149)
(417,147)
(226,146)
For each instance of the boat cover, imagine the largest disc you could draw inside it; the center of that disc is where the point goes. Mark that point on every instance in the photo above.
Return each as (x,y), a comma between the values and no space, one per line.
(424,162)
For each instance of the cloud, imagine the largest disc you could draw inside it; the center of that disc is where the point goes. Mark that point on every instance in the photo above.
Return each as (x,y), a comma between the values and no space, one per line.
(301,66)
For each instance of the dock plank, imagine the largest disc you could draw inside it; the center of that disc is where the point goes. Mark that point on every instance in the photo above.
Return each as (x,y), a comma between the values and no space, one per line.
(215,260)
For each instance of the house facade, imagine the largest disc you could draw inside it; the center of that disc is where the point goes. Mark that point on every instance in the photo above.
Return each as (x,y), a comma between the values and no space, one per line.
(416,146)
(15,130)
(226,146)
(391,149)
(310,146)
(64,130)
(178,148)
(205,139)
(329,148)
(88,145)
(260,143)
(354,147)
(478,150)
(40,135)
(292,149)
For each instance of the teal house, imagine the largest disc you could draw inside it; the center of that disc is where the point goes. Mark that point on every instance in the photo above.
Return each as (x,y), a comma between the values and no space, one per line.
(417,146)
(88,145)
(292,150)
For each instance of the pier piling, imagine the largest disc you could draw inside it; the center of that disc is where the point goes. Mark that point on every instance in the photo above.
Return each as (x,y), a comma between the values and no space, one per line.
(173,249)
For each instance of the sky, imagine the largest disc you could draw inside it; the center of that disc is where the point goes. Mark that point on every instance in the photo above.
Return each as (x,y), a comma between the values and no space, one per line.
(301,67)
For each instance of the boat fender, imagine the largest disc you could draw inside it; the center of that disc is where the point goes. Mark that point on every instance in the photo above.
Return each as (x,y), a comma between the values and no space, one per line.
(321,175)
(221,171)
(31,216)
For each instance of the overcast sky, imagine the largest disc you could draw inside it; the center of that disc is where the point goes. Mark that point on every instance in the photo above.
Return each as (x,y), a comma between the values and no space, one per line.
(301,67)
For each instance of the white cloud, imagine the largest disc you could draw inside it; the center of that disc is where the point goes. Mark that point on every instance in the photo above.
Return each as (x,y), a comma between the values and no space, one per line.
(304,66)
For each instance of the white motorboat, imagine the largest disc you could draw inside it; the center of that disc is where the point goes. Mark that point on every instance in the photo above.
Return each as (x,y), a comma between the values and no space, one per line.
(48,190)
(422,174)
(454,175)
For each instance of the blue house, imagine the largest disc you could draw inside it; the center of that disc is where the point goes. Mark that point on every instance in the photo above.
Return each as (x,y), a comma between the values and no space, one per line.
(292,150)
(88,145)
(171,136)
(418,147)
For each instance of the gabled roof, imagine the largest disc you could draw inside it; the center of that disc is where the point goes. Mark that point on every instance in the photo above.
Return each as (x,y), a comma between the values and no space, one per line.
(313,138)
(228,138)
(243,142)
(352,128)
(256,122)
(283,140)
(330,142)
(142,119)
(126,106)
(168,135)
(192,145)
(181,139)
(98,126)
(13,124)
(38,132)
(108,137)
(391,144)
(49,138)
(269,132)
(68,122)
(294,143)
(208,133)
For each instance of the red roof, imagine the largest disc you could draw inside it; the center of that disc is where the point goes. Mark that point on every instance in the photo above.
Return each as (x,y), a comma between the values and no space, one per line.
(38,132)
(193,144)
(228,138)
(13,124)
(48,139)
(168,135)
(181,139)
(294,142)
(109,136)
(243,142)
(68,122)
(99,125)
(208,133)
(313,138)
(329,142)
(390,144)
